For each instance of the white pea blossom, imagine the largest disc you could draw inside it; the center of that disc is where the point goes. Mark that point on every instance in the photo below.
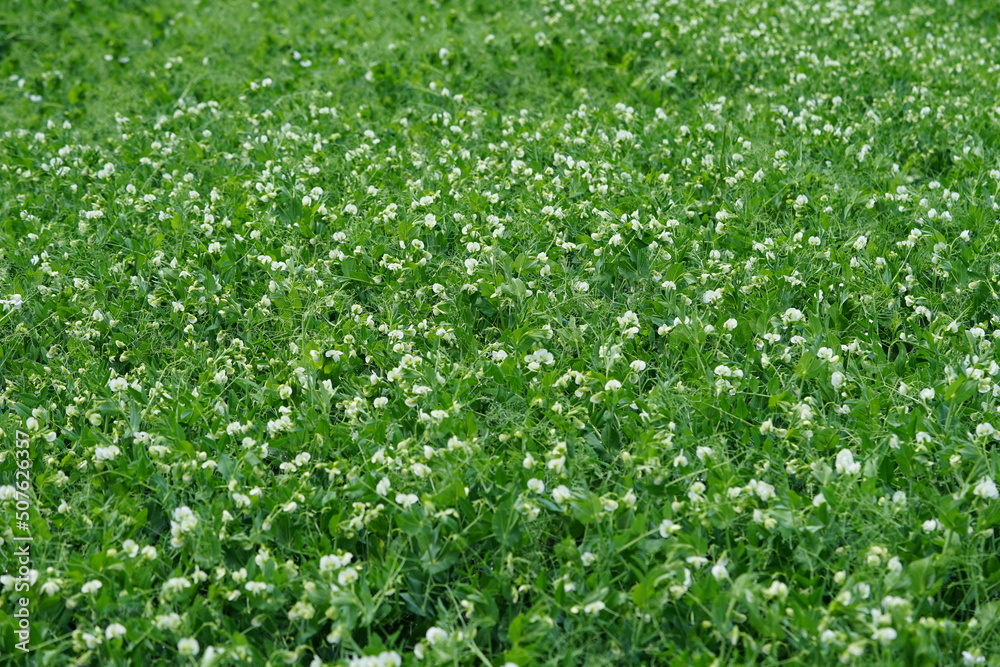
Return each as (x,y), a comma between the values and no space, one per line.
(845,464)
(986,488)
(115,631)
(91,586)
(884,635)
(561,494)
(668,528)
(436,635)
(985,430)
(188,646)
(837,379)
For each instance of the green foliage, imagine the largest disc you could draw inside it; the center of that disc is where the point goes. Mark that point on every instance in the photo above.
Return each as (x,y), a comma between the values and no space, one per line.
(545,333)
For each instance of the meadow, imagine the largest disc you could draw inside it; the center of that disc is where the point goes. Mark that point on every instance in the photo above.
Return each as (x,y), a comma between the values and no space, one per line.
(552,332)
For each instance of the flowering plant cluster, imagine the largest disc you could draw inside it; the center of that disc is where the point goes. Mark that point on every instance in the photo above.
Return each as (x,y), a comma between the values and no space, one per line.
(610,332)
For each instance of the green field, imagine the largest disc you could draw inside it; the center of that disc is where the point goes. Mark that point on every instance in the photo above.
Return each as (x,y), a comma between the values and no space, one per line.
(554,332)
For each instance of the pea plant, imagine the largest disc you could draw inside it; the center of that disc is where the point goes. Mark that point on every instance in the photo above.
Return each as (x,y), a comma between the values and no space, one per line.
(617,332)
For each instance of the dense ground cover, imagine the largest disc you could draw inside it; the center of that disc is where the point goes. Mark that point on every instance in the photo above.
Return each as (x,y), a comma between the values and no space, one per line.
(537,333)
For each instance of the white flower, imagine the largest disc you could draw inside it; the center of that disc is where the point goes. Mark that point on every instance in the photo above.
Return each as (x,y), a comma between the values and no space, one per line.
(406,499)
(837,379)
(12,302)
(536,485)
(170,621)
(175,585)
(51,587)
(730,324)
(539,357)
(667,528)
(436,635)
(384,659)
(91,586)
(131,548)
(969,659)
(986,488)
(612,385)
(792,315)
(333,562)
(985,430)
(884,635)
(106,453)
(347,576)
(628,319)
(255,587)
(560,494)
(711,296)
(558,464)
(595,608)
(763,490)
(382,488)
(638,365)
(301,610)
(719,571)
(188,646)
(777,589)
(114,631)
(118,384)
(184,521)
(845,464)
